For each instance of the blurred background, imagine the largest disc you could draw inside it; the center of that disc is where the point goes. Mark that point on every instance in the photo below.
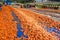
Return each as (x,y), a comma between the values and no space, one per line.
(51,4)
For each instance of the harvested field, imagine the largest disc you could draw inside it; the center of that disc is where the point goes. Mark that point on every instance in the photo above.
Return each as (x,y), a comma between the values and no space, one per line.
(23,24)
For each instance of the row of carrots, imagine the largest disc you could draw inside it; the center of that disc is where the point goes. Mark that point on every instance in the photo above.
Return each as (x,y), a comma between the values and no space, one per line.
(43,19)
(49,10)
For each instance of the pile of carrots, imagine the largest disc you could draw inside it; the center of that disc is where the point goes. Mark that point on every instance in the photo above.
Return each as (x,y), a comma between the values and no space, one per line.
(32,24)
(7,26)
